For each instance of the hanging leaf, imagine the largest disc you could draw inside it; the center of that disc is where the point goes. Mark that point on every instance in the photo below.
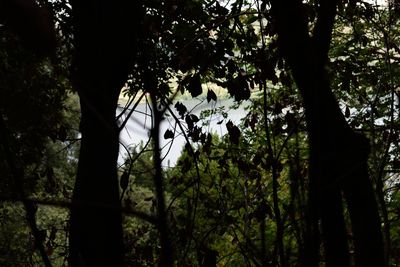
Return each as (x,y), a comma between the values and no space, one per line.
(124,181)
(189,122)
(251,19)
(195,86)
(347,112)
(234,132)
(220,10)
(195,134)
(211,96)
(181,108)
(194,118)
(168,134)
(191,119)
(239,88)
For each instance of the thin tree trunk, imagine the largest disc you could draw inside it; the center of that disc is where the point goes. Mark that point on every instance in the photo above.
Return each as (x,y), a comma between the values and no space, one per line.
(166,257)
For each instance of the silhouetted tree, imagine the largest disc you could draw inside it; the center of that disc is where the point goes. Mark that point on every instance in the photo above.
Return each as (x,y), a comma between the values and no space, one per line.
(338,156)
(104,39)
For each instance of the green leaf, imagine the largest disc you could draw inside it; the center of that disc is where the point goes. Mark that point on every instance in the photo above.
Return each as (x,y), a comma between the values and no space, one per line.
(251,19)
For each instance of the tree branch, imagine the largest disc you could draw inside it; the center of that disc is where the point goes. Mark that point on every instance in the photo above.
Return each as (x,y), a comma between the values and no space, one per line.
(323,30)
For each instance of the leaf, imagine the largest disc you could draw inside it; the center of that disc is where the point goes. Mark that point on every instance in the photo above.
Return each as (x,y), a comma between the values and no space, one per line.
(194,87)
(211,96)
(195,133)
(347,112)
(220,10)
(191,119)
(181,108)
(194,118)
(251,19)
(189,122)
(168,134)
(234,132)
(124,181)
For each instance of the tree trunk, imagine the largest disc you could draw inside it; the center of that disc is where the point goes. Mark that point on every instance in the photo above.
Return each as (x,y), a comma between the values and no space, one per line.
(338,157)
(104,44)
(96,231)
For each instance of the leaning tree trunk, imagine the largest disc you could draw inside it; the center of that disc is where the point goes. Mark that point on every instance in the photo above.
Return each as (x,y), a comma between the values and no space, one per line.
(338,157)
(103,36)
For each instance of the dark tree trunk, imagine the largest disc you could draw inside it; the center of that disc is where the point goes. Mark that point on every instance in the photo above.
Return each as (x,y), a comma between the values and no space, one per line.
(338,157)
(96,233)
(104,43)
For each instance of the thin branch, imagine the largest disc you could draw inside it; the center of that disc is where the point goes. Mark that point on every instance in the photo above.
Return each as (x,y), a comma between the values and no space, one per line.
(131,111)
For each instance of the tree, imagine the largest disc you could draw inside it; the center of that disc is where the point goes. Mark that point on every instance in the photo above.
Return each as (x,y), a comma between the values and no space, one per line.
(104,38)
(333,144)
